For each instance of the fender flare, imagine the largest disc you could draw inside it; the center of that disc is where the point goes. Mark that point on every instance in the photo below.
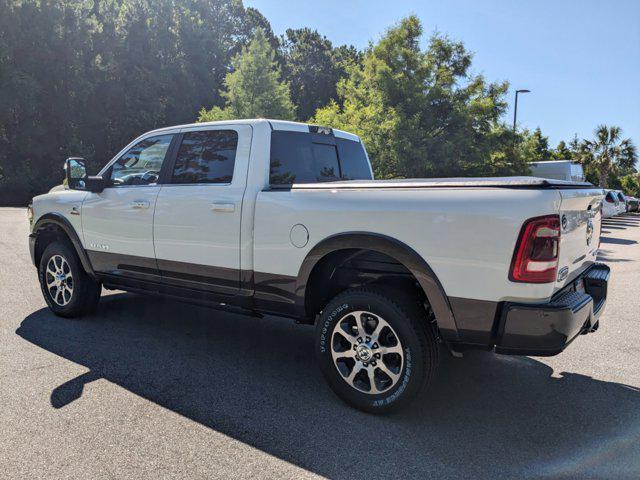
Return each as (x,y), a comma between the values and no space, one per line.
(55,219)
(395,249)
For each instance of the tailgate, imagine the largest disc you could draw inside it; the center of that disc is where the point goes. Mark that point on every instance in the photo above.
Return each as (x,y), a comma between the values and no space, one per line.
(580,219)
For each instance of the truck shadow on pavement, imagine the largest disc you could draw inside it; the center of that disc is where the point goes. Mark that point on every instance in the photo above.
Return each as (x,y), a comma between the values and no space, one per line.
(621,222)
(616,223)
(609,256)
(255,380)
(618,241)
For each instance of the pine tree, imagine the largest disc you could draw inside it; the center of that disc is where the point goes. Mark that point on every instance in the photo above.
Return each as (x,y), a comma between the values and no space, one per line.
(421,113)
(535,146)
(253,89)
(562,152)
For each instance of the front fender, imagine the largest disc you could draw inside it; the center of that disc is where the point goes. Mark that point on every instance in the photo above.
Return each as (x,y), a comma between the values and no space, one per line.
(50,221)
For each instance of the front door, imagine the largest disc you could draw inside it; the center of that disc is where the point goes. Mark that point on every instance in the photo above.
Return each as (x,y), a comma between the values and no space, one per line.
(198,210)
(117,223)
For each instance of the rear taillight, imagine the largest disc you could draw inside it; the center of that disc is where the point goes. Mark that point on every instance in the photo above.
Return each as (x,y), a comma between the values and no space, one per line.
(535,259)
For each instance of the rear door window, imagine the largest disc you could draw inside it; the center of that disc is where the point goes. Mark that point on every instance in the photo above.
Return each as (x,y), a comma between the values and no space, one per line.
(299,157)
(206,156)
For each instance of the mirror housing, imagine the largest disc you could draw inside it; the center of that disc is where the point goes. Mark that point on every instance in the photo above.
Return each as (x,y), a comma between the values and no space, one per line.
(75,172)
(94,184)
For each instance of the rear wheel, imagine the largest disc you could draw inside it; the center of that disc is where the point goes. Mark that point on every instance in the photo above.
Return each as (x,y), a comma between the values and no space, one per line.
(375,351)
(66,287)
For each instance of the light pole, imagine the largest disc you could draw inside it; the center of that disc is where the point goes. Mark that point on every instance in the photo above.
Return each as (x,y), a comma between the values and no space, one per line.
(515,108)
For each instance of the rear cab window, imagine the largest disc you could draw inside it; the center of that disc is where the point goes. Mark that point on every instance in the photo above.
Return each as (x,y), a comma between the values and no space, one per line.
(306,157)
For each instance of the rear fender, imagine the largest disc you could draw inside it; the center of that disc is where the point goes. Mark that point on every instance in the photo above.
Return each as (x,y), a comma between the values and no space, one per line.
(395,249)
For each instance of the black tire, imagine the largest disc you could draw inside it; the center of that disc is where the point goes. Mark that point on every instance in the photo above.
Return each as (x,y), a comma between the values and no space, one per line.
(406,320)
(85,292)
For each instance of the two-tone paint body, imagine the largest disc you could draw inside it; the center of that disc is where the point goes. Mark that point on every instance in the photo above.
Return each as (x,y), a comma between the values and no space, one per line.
(248,240)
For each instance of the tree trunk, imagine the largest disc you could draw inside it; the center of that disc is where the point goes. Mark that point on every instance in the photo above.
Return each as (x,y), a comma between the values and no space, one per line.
(604,173)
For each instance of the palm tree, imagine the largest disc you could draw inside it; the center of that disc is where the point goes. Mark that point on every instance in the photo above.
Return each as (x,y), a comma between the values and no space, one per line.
(608,153)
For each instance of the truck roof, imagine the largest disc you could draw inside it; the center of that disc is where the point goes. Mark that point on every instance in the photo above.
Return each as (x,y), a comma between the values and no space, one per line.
(274,125)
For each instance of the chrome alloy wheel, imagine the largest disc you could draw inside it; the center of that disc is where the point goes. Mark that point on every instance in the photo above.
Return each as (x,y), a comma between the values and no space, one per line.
(367,352)
(59,280)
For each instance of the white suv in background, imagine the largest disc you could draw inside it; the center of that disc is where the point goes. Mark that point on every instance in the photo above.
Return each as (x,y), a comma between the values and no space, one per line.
(610,204)
(622,206)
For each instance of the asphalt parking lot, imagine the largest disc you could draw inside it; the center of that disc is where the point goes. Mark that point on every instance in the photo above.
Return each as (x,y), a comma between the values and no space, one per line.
(148,388)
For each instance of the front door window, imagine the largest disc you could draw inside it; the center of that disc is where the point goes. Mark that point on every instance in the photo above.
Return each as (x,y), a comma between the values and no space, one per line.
(141,164)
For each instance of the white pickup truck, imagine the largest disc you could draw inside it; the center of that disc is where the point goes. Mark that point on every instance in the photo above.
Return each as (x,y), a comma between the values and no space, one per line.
(273,217)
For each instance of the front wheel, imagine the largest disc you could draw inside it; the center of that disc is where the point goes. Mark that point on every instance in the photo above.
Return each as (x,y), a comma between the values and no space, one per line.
(66,287)
(376,352)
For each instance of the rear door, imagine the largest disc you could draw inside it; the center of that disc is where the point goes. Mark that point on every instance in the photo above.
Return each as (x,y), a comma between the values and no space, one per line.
(198,211)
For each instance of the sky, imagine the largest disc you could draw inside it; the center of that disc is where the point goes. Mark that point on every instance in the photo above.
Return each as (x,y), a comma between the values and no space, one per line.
(579,58)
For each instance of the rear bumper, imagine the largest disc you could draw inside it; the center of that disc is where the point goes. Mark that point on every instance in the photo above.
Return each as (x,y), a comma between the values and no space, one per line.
(546,329)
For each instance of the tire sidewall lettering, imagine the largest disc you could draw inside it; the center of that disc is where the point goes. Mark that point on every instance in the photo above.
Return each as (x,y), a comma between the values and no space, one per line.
(327,324)
(403,384)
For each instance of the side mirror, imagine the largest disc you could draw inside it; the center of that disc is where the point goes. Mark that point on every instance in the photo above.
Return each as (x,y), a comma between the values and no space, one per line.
(75,173)
(77,178)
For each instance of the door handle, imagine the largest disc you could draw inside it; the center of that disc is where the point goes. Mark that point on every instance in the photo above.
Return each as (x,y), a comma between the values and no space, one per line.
(223,207)
(140,204)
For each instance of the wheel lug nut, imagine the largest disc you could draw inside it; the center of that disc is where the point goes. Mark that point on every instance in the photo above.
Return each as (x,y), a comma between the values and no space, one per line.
(375,345)
(368,339)
(373,363)
(359,339)
(377,355)
(366,364)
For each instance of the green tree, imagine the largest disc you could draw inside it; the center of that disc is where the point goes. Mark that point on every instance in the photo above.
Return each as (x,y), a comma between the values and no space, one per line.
(253,88)
(81,77)
(562,152)
(251,20)
(43,52)
(574,145)
(608,153)
(421,113)
(534,147)
(313,68)
(631,184)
